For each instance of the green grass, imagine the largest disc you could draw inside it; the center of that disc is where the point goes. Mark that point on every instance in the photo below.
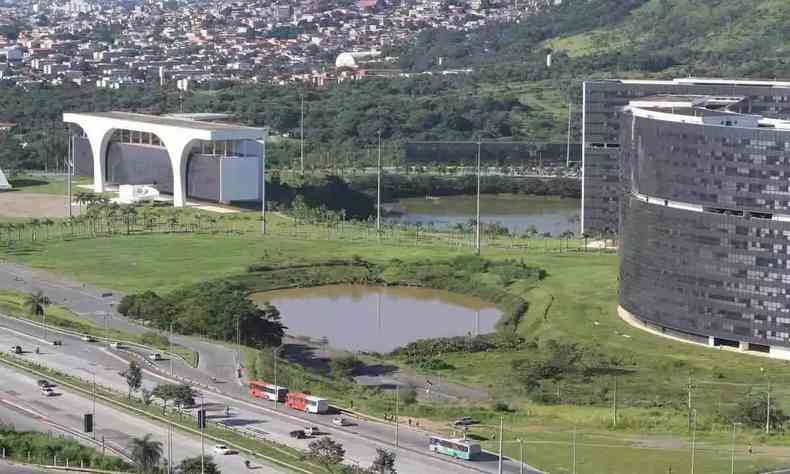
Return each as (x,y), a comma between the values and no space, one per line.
(12,304)
(46,185)
(576,302)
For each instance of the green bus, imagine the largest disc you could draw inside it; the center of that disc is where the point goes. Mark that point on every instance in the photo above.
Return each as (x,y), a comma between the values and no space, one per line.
(457,448)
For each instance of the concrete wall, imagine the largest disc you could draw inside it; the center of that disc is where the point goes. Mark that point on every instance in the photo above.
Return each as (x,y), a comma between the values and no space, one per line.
(241,179)
(203,177)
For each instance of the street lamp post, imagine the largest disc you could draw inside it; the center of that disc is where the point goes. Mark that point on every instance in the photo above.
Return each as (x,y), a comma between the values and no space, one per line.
(521,456)
(378,192)
(276,352)
(301,137)
(477,219)
(693,438)
(397,400)
(501,435)
(202,429)
(93,408)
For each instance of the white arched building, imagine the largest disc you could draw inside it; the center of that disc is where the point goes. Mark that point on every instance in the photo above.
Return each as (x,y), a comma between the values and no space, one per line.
(228,145)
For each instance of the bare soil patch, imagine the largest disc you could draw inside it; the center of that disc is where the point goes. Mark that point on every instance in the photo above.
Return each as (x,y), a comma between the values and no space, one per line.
(19,205)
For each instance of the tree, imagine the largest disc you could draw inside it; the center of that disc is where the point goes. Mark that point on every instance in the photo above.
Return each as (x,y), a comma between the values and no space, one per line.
(343,367)
(192,466)
(145,453)
(384,463)
(181,394)
(326,451)
(134,377)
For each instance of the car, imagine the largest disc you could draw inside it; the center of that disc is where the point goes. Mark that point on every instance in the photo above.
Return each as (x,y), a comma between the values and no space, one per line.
(298,434)
(88,338)
(223,450)
(47,391)
(340,421)
(155,356)
(311,430)
(465,421)
(57,342)
(116,345)
(16,349)
(45,383)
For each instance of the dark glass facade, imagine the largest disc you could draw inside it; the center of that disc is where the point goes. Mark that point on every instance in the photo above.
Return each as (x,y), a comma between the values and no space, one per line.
(710,254)
(603,104)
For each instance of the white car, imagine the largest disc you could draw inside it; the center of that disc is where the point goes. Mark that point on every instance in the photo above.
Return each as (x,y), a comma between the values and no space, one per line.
(47,391)
(155,356)
(311,431)
(116,345)
(88,338)
(222,450)
(340,421)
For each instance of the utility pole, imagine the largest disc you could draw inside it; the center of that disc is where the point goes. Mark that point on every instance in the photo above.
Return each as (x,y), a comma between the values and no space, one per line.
(768,410)
(263,185)
(501,435)
(568,146)
(93,409)
(693,439)
(378,193)
(301,137)
(521,456)
(276,387)
(573,451)
(614,404)
(477,227)
(397,402)
(69,165)
(171,349)
(690,407)
(202,438)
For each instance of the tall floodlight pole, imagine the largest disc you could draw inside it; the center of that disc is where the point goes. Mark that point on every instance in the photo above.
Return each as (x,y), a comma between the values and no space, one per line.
(568,146)
(397,402)
(477,227)
(301,136)
(263,185)
(93,409)
(501,435)
(69,164)
(171,349)
(693,439)
(202,440)
(732,449)
(378,193)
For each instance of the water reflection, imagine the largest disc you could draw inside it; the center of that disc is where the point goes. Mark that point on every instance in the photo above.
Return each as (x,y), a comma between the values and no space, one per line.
(517,212)
(377,319)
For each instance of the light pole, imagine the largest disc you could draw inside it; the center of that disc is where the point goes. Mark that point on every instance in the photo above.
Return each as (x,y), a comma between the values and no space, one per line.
(397,400)
(477,227)
(521,456)
(378,193)
(263,184)
(301,136)
(69,166)
(202,439)
(276,351)
(768,404)
(93,408)
(693,437)
(732,449)
(501,435)
(171,349)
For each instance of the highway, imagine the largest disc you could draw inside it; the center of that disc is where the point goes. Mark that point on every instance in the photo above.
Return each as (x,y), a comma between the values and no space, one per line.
(27,409)
(86,359)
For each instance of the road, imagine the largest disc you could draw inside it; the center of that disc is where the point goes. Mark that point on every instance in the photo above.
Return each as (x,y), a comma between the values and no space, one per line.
(8,468)
(26,409)
(77,357)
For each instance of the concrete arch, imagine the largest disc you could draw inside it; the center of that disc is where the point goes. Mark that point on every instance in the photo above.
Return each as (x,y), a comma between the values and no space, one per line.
(177,135)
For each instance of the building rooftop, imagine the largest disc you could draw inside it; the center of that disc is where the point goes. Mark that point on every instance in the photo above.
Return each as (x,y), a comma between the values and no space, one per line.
(168,121)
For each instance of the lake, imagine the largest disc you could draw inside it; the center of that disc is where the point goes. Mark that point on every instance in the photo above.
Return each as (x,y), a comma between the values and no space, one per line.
(517,212)
(379,319)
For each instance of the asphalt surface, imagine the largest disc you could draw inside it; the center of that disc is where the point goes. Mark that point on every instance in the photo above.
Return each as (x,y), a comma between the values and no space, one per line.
(26,408)
(253,416)
(8,468)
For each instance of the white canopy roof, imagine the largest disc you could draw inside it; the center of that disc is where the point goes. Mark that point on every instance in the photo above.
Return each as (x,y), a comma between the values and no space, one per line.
(3,181)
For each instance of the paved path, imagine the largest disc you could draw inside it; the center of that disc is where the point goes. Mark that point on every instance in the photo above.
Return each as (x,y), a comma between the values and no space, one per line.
(9,468)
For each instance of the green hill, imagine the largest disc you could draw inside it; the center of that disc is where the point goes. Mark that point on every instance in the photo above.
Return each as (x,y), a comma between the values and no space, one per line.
(671,37)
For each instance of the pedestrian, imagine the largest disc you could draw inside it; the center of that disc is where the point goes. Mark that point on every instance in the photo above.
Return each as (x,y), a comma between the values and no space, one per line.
(409,421)
(750,450)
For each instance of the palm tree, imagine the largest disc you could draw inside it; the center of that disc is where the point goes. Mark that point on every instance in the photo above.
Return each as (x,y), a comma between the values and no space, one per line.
(33,224)
(47,223)
(145,453)
(35,304)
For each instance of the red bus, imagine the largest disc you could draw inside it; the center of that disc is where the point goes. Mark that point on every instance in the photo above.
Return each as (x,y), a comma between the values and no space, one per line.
(307,403)
(267,391)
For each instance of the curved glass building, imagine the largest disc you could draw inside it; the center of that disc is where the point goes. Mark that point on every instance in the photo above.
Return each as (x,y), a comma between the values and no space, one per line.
(705,221)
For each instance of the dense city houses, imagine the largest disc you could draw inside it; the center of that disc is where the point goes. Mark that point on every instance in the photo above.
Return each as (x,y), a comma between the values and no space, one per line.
(115,43)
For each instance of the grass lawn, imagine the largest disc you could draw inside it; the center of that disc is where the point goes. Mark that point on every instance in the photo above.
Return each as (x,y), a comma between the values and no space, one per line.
(576,302)
(12,304)
(47,185)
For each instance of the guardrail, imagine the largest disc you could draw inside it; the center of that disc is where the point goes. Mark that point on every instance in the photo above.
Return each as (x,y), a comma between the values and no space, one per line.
(5,359)
(70,332)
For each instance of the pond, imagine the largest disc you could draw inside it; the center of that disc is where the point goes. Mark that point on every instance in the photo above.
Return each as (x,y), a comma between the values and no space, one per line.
(517,212)
(379,319)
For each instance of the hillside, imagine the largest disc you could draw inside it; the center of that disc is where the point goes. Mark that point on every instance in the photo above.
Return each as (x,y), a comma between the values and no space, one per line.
(671,37)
